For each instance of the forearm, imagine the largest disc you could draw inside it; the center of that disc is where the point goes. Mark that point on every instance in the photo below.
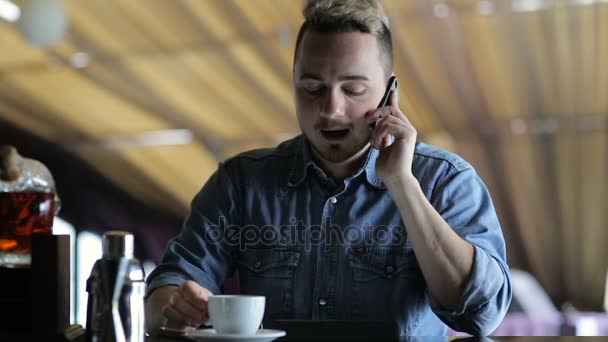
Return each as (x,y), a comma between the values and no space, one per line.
(154,308)
(445,259)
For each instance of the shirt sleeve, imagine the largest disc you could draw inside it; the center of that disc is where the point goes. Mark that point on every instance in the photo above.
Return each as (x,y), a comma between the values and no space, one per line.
(464,202)
(203,251)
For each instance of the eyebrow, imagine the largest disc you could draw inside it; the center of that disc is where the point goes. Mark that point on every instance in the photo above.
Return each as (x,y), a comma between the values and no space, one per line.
(341,78)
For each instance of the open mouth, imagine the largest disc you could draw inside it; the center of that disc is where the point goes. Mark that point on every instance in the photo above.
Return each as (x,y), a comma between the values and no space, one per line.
(334,134)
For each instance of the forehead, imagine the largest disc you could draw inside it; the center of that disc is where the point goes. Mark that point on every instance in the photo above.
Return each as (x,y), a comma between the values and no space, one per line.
(338,52)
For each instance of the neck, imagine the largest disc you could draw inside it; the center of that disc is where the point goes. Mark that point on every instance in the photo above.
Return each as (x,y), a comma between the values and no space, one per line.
(339,171)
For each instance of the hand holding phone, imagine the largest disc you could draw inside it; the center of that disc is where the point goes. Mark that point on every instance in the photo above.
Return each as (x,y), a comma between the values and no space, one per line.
(392,85)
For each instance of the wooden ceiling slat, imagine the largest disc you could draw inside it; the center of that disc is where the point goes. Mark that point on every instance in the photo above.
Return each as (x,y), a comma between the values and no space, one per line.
(121,81)
(519,75)
(16,51)
(415,43)
(264,75)
(247,107)
(258,39)
(162,20)
(600,99)
(534,49)
(593,260)
(17,117)
(168,160)
(585,51)
(108,115)
(235,107)
(103,24)
(565,72)
(290,12)
(262,14)
(486,51)
(218,23)
(160,75)
(28,105)
(450,48)
(525,180)
(416,102)
(112,165)
(405,8)
(565,156)
(247,77)
(117,168)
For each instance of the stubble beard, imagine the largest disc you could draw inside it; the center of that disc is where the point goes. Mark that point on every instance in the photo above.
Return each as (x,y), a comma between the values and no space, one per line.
(337,153)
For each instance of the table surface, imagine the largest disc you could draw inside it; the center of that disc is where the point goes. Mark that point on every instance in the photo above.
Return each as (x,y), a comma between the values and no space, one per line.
(449,339)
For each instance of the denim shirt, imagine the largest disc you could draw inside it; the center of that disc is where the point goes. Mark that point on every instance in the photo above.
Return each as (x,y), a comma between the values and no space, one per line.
(325,251)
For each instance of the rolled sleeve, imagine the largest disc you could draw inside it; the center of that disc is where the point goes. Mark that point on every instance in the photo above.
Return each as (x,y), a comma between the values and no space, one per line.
(202,252)
(484,300)
(465,203)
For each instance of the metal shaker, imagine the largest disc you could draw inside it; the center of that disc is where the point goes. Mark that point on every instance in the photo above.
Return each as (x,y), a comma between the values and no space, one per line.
(116,287)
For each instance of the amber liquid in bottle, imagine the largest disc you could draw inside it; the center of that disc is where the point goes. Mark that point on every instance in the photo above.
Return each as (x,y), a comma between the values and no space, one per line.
(21,215)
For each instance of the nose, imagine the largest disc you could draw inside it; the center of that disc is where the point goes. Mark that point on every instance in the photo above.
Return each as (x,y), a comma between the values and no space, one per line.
(333,103)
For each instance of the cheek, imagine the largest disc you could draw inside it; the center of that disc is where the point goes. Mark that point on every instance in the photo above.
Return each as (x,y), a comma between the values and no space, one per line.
(356,111)
(306,111)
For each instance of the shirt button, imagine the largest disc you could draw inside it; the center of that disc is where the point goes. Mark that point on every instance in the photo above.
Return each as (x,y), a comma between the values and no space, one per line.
(333,200)
(389,269)
(360,250)
(328,249)
(257,264)
(322,301)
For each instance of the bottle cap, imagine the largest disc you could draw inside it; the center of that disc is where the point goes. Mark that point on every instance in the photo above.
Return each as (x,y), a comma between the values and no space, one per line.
(117,244)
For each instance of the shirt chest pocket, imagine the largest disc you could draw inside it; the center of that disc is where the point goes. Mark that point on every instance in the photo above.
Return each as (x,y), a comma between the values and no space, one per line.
(269,272)
(387,284)
(382,263)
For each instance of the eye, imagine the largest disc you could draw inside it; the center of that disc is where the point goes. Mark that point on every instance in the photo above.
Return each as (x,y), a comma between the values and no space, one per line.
(354,88)
(355,91)
(314,90)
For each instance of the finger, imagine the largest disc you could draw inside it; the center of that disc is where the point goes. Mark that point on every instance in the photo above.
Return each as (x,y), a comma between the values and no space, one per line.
(386,142)
(175,319)
(393,99)
(195,315)
(194,294)
(376,114)
(379,131)
(384,112)
(395,128)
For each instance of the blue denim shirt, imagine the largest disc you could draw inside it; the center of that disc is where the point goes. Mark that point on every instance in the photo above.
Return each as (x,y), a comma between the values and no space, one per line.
(325,251)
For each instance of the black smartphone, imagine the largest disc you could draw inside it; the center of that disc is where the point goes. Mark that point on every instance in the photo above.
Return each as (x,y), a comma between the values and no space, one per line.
(392,85)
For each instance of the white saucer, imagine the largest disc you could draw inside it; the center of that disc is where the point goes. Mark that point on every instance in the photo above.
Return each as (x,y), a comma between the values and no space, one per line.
(262,335)
(166,331)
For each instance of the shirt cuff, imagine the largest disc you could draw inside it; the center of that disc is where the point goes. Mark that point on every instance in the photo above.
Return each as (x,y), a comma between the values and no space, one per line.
(484,284)
(176,279)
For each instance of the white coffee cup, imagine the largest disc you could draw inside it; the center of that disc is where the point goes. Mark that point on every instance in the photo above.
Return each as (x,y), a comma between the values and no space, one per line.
(236,314)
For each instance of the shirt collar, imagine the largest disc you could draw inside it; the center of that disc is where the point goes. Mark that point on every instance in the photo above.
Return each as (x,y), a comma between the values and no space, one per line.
(302,161)
(370,169)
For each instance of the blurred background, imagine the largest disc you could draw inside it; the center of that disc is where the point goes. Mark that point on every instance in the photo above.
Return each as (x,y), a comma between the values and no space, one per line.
(132,104)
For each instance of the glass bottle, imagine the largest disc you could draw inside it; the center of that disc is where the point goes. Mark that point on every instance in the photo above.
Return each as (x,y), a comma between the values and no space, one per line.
(28,205)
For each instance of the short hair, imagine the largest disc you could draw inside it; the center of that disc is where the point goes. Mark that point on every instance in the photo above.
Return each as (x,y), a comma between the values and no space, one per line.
(342,16)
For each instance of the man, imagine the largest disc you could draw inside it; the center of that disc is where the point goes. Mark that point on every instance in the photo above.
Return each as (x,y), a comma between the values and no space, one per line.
(345,221)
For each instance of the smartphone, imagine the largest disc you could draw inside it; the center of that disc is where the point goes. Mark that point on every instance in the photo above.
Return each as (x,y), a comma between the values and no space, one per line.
(391,86)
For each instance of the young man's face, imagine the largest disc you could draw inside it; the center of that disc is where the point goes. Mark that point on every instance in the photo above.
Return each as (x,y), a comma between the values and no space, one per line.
(338,78)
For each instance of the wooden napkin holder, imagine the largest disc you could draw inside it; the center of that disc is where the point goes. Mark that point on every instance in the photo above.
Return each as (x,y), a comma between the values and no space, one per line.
(35,302)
